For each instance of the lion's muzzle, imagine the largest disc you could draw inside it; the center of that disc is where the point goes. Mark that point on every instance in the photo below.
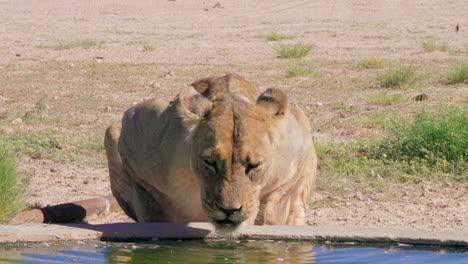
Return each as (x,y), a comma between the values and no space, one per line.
(224,217)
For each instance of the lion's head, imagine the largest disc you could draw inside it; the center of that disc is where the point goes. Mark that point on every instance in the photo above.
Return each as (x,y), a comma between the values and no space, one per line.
(238,147)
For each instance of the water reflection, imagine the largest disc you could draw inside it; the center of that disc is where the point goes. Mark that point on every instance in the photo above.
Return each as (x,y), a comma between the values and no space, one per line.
(215,252)
(226,251)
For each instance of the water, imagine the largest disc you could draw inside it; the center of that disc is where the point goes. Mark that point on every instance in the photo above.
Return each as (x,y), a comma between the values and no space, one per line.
(227,251)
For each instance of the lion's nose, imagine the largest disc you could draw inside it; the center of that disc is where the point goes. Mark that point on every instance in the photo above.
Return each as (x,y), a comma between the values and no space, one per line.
(228,210)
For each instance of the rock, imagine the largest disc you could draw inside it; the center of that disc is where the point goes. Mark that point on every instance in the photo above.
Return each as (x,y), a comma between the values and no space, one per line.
(342,115)
(63,146)
(421,97)
(217,5)
(155,85)
(318,104)
(170,74)
(373,173)
(359,196)
(17,121)
(53,170)
(44,244)
(108,109)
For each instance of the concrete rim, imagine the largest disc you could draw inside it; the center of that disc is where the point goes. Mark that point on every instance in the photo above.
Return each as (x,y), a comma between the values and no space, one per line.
(147,231)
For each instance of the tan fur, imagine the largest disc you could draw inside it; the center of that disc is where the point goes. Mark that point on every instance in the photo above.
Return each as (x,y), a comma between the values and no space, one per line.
(220,152)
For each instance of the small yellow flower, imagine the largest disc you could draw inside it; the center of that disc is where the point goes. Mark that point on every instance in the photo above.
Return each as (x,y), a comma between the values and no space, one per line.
(384,155)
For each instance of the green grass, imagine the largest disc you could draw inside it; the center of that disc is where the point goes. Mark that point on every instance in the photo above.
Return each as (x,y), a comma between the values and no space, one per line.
(437,134)
(297,50)
(85,44)
(459,74)
(433,144)
(386,99)
(147,46)
(40,107)
(273,36)
(372,63)
(40,145)
(378,120)
(431,45)
(301,69)
(443,47)
(398,77)
(12,191)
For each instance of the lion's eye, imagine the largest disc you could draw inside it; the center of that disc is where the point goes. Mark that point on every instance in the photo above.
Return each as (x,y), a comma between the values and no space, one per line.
(249,167)
(210,163)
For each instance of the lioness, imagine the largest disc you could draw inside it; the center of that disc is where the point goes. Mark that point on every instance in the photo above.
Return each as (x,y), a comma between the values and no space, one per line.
(220,152)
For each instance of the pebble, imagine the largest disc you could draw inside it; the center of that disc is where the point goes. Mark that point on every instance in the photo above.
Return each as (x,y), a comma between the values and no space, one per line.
(421,97)
(217,5)
(318,104)
(374,173)
(108,109)
(170,74)
(17,121)
(44,244)
(155,85)
(63,146)
(359,196)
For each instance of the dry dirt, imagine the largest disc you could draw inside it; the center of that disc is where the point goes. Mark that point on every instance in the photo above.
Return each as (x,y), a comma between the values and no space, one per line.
(87,89)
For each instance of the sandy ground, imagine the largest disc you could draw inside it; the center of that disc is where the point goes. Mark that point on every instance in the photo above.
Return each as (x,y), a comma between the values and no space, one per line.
(192,38)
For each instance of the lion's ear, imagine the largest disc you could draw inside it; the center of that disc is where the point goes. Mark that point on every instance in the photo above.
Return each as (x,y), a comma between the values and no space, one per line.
(273,102)
(202,86)
(192,106)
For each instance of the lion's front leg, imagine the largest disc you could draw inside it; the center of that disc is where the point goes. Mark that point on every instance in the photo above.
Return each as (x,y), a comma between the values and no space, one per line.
(297,209)
(301,192)
(274,207)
